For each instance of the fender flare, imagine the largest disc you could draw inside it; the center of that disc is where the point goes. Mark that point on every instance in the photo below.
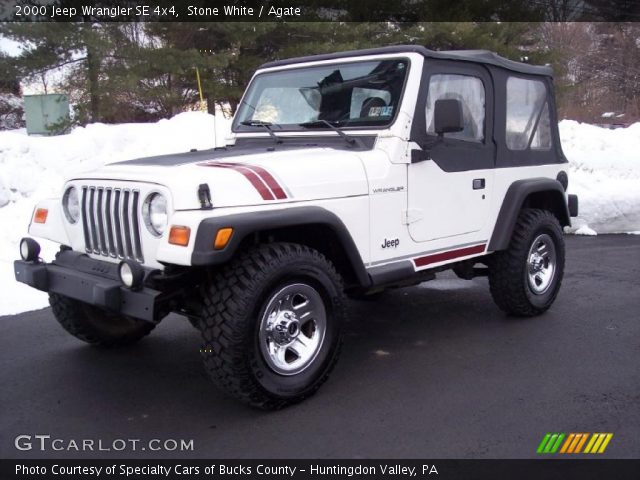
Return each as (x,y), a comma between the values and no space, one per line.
(245,224)
(513,202)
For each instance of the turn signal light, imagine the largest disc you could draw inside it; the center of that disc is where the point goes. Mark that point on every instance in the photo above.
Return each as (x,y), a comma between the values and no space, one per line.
(179,235)
(41,215)
(222,238)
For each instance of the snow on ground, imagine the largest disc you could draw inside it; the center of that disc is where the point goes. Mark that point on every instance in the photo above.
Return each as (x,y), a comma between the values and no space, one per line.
(604,171)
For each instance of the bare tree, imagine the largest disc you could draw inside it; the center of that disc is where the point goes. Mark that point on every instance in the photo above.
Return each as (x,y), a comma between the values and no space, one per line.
(597,68)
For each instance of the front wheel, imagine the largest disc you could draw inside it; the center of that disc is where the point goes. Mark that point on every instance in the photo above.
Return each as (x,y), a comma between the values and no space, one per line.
(525,279)
(271,324)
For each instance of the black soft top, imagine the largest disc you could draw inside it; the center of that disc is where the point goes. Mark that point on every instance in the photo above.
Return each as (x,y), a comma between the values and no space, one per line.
(476,56)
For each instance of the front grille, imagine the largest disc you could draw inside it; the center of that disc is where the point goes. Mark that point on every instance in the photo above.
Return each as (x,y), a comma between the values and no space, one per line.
(110,222)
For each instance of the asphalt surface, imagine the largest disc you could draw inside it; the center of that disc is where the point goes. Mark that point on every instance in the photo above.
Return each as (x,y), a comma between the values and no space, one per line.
(434,371)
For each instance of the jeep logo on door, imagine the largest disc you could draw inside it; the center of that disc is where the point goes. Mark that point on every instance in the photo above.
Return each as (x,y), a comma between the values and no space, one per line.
(393,243)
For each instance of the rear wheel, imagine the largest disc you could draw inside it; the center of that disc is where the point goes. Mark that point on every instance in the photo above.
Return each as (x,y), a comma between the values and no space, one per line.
(271,324)
(97,326)
(525,278)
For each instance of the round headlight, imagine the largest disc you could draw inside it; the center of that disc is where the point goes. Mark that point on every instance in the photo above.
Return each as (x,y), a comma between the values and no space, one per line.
(71,205)
(154,213)
(131,274)
(126,274)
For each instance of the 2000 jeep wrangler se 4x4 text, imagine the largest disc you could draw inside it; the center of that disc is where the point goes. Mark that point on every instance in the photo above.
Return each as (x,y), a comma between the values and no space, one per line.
(346,174)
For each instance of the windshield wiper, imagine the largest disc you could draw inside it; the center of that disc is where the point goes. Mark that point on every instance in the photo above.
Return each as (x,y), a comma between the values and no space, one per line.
(266,125)
(317,123)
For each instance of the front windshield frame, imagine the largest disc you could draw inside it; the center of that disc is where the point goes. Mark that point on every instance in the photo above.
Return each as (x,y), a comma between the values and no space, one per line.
(238,127)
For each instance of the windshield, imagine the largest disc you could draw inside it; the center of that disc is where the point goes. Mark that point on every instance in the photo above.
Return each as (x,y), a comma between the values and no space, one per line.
(354,94)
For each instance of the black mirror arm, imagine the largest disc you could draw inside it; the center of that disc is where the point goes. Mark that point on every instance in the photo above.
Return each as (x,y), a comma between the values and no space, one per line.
(425,150)
(429,145)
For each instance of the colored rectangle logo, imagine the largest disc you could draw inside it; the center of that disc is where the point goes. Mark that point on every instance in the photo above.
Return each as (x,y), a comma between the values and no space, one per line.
(574,443)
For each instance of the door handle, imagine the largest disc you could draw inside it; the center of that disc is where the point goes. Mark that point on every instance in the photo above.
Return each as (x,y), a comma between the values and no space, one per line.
(478,183)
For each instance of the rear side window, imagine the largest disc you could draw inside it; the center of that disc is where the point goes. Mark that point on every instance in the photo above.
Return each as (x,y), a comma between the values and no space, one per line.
(528,125)
(470,91)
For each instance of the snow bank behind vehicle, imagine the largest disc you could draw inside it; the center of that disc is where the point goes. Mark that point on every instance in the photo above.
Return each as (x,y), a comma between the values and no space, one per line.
(604,171)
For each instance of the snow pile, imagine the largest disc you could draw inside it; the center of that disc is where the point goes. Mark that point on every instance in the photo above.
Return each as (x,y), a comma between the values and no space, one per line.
(37,165)
(604,172)
(33,168)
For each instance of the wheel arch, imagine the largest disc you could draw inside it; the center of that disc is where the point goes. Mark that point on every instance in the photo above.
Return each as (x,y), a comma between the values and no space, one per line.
(541,193)
(315,227)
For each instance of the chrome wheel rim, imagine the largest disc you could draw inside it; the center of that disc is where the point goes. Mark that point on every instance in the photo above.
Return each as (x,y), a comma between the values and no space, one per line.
(292,329)
(541,264)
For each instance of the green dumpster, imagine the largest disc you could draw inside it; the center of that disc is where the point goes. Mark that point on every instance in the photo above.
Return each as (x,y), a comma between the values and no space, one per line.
(45,114)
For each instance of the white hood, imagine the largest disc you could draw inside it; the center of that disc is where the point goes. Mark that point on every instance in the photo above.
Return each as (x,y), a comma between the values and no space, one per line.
(277,176)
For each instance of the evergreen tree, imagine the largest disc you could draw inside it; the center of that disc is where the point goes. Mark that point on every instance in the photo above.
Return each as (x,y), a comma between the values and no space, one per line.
(10,80)
(11,110)
(82,47)
(144,71)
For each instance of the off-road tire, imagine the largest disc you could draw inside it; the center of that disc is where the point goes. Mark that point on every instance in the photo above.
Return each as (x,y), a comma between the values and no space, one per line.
(508,271)
(234,303)
(96,326)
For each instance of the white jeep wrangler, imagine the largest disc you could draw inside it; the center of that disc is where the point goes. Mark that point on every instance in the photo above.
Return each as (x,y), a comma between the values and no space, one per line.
(346,174)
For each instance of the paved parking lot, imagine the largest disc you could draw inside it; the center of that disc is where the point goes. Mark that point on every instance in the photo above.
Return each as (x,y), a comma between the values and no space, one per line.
(434,371)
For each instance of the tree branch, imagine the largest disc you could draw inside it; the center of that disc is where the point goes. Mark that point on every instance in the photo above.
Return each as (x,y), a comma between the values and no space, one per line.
(68,62)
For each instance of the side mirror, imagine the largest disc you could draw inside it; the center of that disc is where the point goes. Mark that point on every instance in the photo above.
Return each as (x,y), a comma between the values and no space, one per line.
(447,116)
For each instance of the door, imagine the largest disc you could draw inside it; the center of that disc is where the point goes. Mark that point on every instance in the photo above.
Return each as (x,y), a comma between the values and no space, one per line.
(451,180)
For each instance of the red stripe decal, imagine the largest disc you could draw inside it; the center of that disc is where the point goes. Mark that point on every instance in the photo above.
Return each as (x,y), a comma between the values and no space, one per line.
(256,181)
(266,177)
(451,254)
(271,182)
(250,175)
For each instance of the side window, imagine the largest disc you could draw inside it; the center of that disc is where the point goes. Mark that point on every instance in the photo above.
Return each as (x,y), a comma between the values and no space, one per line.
(470,91)
(528,124)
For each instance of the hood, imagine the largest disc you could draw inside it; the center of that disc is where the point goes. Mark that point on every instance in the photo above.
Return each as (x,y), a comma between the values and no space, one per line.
(248,176)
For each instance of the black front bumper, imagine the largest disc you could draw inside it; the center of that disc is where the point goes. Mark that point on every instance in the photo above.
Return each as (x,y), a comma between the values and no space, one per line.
(95,282)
